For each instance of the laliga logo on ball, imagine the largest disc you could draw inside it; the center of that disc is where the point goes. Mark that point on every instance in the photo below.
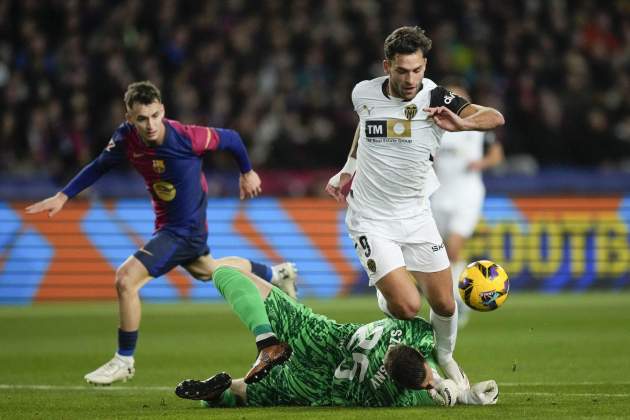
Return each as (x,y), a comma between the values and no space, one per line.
(484,285)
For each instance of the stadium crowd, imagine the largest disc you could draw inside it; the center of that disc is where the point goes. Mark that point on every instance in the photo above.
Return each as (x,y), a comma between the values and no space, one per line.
(281,73)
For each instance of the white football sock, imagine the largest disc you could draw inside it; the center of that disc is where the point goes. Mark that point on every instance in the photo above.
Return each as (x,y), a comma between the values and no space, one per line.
(445,335)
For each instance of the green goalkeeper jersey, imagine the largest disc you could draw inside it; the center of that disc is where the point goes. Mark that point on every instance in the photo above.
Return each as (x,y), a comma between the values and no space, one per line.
(337,364)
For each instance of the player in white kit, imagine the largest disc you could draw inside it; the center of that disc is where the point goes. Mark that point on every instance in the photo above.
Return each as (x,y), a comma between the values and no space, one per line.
(402,117)
(457,204)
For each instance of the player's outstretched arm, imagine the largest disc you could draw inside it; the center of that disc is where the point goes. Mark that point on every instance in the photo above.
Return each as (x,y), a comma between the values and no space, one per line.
(52,205)
(249,185)
(492,158)
(472,118)
(338,181)
(249,181)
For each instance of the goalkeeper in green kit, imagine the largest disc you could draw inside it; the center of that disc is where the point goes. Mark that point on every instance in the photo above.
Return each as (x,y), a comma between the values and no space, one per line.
(385,363)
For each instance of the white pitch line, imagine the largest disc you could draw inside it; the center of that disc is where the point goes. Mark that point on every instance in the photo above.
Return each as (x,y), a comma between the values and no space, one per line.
(561,383)
(87,387)
(170,389)
(561,394)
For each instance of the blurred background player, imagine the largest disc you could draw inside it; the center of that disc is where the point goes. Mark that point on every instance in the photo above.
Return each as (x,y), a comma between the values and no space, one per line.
(385,363)
(402,118)
(458,202)
(168,155)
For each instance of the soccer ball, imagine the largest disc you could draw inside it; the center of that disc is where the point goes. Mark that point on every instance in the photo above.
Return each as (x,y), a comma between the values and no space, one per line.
(484,285)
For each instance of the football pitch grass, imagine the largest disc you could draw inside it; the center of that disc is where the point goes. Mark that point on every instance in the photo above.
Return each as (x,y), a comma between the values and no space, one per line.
(553,356)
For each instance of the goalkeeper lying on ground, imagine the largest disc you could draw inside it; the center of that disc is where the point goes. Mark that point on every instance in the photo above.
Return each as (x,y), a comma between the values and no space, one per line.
(385,363)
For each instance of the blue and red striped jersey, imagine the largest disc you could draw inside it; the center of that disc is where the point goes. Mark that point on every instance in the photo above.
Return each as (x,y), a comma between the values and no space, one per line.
(172,172)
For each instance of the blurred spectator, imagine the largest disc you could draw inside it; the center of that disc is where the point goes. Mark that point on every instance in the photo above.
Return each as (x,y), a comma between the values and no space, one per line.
(281,73)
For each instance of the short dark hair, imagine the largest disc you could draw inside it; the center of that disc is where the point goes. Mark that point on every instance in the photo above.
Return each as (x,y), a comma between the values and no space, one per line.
(143,92)
(407,40)
(405,365)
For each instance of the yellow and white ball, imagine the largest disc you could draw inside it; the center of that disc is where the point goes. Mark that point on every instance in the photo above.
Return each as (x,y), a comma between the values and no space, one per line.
(484,285)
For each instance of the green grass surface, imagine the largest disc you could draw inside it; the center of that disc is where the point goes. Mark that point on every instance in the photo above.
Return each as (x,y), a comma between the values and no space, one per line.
(560,356)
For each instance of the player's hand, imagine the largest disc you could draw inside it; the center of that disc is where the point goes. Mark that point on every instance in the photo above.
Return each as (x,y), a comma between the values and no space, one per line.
(476,166)
(249,185)
(482,393)
(52,205)
(335,186)
(446,119)
(445,393)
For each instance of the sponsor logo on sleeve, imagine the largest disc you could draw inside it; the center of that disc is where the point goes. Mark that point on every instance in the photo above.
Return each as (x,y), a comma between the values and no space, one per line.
(110,145)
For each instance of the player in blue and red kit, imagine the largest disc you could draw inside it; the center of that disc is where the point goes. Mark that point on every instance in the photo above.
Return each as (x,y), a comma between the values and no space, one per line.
(168,155)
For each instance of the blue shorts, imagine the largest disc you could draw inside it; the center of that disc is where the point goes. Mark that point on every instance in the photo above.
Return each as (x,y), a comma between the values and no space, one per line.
(166,250)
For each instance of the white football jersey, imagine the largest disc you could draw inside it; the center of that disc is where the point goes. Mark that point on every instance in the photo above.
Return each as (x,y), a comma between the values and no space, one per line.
(458,184)
(397,142)
(457,151)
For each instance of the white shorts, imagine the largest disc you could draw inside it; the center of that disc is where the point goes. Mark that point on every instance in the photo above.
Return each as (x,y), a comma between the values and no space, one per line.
(380,256)
(457,212)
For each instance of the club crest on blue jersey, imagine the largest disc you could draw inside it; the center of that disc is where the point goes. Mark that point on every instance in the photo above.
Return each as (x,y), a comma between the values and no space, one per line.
(158,166)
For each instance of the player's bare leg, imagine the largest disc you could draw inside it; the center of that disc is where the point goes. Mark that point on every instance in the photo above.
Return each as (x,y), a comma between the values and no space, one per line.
(454,244)
(130,277)
(438,290)
(399,290)
(283,275)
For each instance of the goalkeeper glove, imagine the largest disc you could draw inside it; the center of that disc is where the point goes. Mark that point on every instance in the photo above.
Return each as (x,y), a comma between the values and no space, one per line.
(482,393)
(445,393)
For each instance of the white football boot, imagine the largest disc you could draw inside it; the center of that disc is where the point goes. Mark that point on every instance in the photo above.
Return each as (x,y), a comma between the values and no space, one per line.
(285,277)
(118,369)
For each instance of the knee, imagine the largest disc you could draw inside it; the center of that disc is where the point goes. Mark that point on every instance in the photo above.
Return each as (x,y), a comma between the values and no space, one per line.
(404,310)
(444,307)
(125,283)
(202,269)
(204,276)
